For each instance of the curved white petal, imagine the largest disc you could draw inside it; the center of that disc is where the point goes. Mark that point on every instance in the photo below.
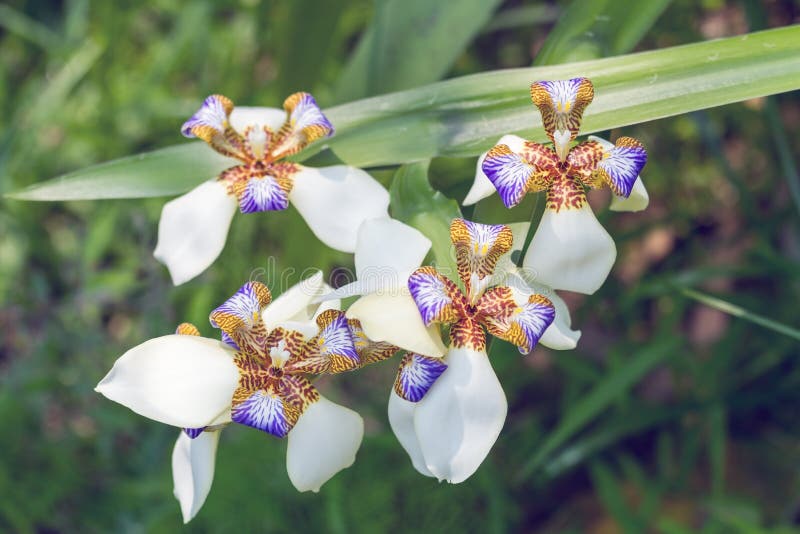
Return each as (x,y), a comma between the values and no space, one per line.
(401,419)
(334,201)
(185,381)
(570,250)
(193,470)
(323,442)
(394,317)
(193,229)
(482,187)
(387,252)
(638,199)
(459,419)
(243,116)
(296,304)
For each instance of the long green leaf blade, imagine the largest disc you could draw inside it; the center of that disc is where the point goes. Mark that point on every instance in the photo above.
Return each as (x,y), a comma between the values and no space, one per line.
(738,311)
(464,116)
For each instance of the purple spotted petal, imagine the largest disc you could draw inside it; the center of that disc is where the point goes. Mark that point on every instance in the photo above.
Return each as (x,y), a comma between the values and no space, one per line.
(622,164)
(509,173)
(263,194)
(416,376)
(336,338)
(264,412)
(193,432)
(212,114)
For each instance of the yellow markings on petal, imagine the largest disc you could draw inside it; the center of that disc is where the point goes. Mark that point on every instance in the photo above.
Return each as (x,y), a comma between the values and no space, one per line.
(562,103)
(187,329)
(478,247)
(263,294)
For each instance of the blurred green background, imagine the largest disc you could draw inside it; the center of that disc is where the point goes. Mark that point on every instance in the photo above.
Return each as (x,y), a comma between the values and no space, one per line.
(670,416)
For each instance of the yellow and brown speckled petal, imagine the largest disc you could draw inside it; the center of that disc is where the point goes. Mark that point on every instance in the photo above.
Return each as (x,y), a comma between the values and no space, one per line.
(187,329)
(467,333)
(369,351)
(519,323)
(562,103)
(478,247)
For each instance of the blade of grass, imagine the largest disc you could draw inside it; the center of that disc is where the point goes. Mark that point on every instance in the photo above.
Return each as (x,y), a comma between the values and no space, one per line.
(740,312)
(409,43)
(19,24)
(598,28)
(605,393)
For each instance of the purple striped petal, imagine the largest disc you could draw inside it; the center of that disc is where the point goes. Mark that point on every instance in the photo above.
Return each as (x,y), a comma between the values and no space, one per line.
(509,172)
(335,341)
(622,164)
(193,432)
(263,193)
(242,310)
(263,411)
(213,115)
(433,295)
(306,117)
(416,375)
(533,319)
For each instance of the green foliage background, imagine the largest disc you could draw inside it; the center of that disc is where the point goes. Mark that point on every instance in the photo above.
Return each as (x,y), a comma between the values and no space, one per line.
(671,416)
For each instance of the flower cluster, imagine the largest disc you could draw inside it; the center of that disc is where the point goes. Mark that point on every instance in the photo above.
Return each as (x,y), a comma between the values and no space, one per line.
(446,405)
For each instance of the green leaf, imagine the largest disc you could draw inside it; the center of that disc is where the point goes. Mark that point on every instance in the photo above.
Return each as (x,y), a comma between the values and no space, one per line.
(465,116)
(599,399)
(738,311)
(168,171)
(598,28)
(410,43)
(416,203)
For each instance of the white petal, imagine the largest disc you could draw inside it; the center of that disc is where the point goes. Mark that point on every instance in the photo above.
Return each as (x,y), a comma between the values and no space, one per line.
(401,419)
(387,252)
(243,116)
(185,381)
(638,199)
(193,470)
(335,200)
(296,304)
(482,187)
(459,419)
(323,442)
(394,317)
(193,229)
(570,250)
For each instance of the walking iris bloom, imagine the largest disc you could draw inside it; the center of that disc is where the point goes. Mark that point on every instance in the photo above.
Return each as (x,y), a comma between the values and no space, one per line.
(570,249)
(450,430)
(257,376)
(332,200)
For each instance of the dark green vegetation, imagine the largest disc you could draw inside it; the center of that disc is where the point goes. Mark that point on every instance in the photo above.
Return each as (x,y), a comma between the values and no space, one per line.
(671,415)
